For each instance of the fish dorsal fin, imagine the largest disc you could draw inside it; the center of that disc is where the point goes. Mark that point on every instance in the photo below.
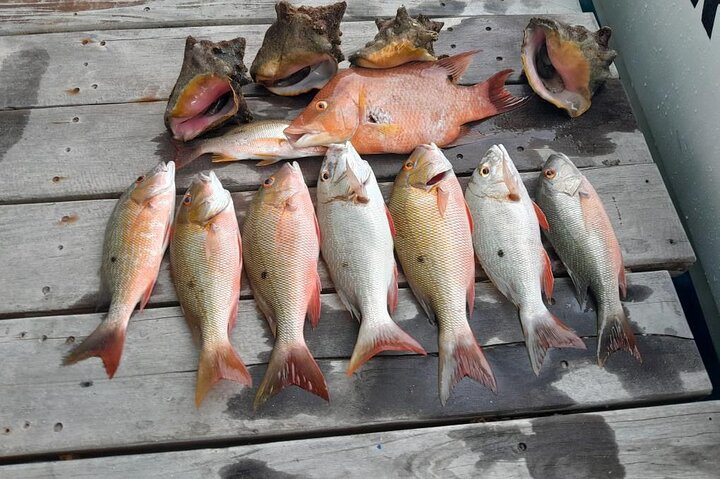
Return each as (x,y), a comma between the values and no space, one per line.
(542,219)
(357,188)
(456,65)
(391,222)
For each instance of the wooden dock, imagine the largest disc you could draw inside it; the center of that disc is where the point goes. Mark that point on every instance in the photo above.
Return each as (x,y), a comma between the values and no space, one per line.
(83,87)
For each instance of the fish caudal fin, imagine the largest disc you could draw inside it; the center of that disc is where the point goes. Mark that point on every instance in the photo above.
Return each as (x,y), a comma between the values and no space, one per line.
(460,356)
(615,334)
(106,343)
(186,154)
(544,331)
(216,363)
(375,337)
(501,100)
(291,364)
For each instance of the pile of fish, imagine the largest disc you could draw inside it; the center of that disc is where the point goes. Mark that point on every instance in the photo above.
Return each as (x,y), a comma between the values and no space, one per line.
(436,230)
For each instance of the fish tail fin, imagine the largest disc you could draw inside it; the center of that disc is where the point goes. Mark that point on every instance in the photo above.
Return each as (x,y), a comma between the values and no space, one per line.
(291,364)
(106,343)
(186,154)
(615,334)
(377,336)
(544,331)
(216,363)
(501,100)
(460,356)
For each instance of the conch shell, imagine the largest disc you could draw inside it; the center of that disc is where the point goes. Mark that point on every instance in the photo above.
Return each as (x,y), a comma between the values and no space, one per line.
(399,40)
(300,50)
(207,91)
(566,64)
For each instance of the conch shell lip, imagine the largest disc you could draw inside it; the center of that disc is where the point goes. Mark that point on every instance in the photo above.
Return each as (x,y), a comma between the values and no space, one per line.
(564,64)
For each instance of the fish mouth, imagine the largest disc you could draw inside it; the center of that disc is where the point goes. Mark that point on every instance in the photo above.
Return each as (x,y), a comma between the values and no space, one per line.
(300,138)
(302,77)
(203,104)
(565,65)
(437,178)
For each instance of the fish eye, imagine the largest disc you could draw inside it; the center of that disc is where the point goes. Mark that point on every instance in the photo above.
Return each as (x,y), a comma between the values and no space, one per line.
(140,179)
(484,171)
(187,200)
(325,175)
(321,105)
(269,181)
(550,173)
(408,165)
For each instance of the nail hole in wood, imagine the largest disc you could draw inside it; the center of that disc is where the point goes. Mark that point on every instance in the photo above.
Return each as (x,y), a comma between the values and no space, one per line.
(85,64)
(487,29)
(43,338)
(74,91)
(70,340)
(452,45)
(46,289)
(6,430)
(147,9)
(75,119)
(459,156)
(94,86)
(23,334)
(102,43)
(671,241)
(450,29)
(67,149)
(60,247)
(56,179)
(58,427)
(522,446)
(86,384)
(499,58)
(564,364)
(520,148)
(442,4)
(26,424)
(647,181)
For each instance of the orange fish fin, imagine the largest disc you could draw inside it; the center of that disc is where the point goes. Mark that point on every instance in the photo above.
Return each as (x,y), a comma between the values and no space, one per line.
(267,312)
(392,297)
(542,219)
(544,331)
(466,135)
(292,203)
(147,294)
(548,279)
(460,356)
(442,200)
(374,338)
(469,216)
(194,325)
(501,100)
(106,342)
(222,157)
(391,222)
(456,65)
(470,296)
(232,320)
(359,192)
(216,363)
(313,308)
(622,281)
(588,206)
(270,160)
(291,364)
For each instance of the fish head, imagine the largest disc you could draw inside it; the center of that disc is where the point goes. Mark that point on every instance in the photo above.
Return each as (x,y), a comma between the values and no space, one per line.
(204,199)
(344,175)
(156,181)
(208,90)
(426,169)
(399,40)
(332,116)
(285,183)
(560,175)
(300,50)
(496,176)
(566,64)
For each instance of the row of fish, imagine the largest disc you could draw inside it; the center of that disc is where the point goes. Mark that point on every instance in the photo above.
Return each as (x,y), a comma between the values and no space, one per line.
(378,103)
(436,231)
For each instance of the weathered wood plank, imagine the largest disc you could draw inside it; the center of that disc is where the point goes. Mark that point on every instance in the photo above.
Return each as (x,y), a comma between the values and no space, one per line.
(652,306)
(30,16)
(91,151)
(52,242)
(653,443)
(140,65)
(131,412)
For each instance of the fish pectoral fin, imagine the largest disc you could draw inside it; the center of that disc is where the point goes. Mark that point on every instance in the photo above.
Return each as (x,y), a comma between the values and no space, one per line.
(456,65)
(359,192)
(469,216)
(470,296)
(269,160)
(548,279)
(424,303)
(392,297)
(442,200)
(147,294)
(391,222)
(291,204)
(622,282)
(542,219)
(386,129)
(511,182)
(267,312)
(581,287)
(222,157)
(194,325)
(213,242)
(352,309)
(313,308)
